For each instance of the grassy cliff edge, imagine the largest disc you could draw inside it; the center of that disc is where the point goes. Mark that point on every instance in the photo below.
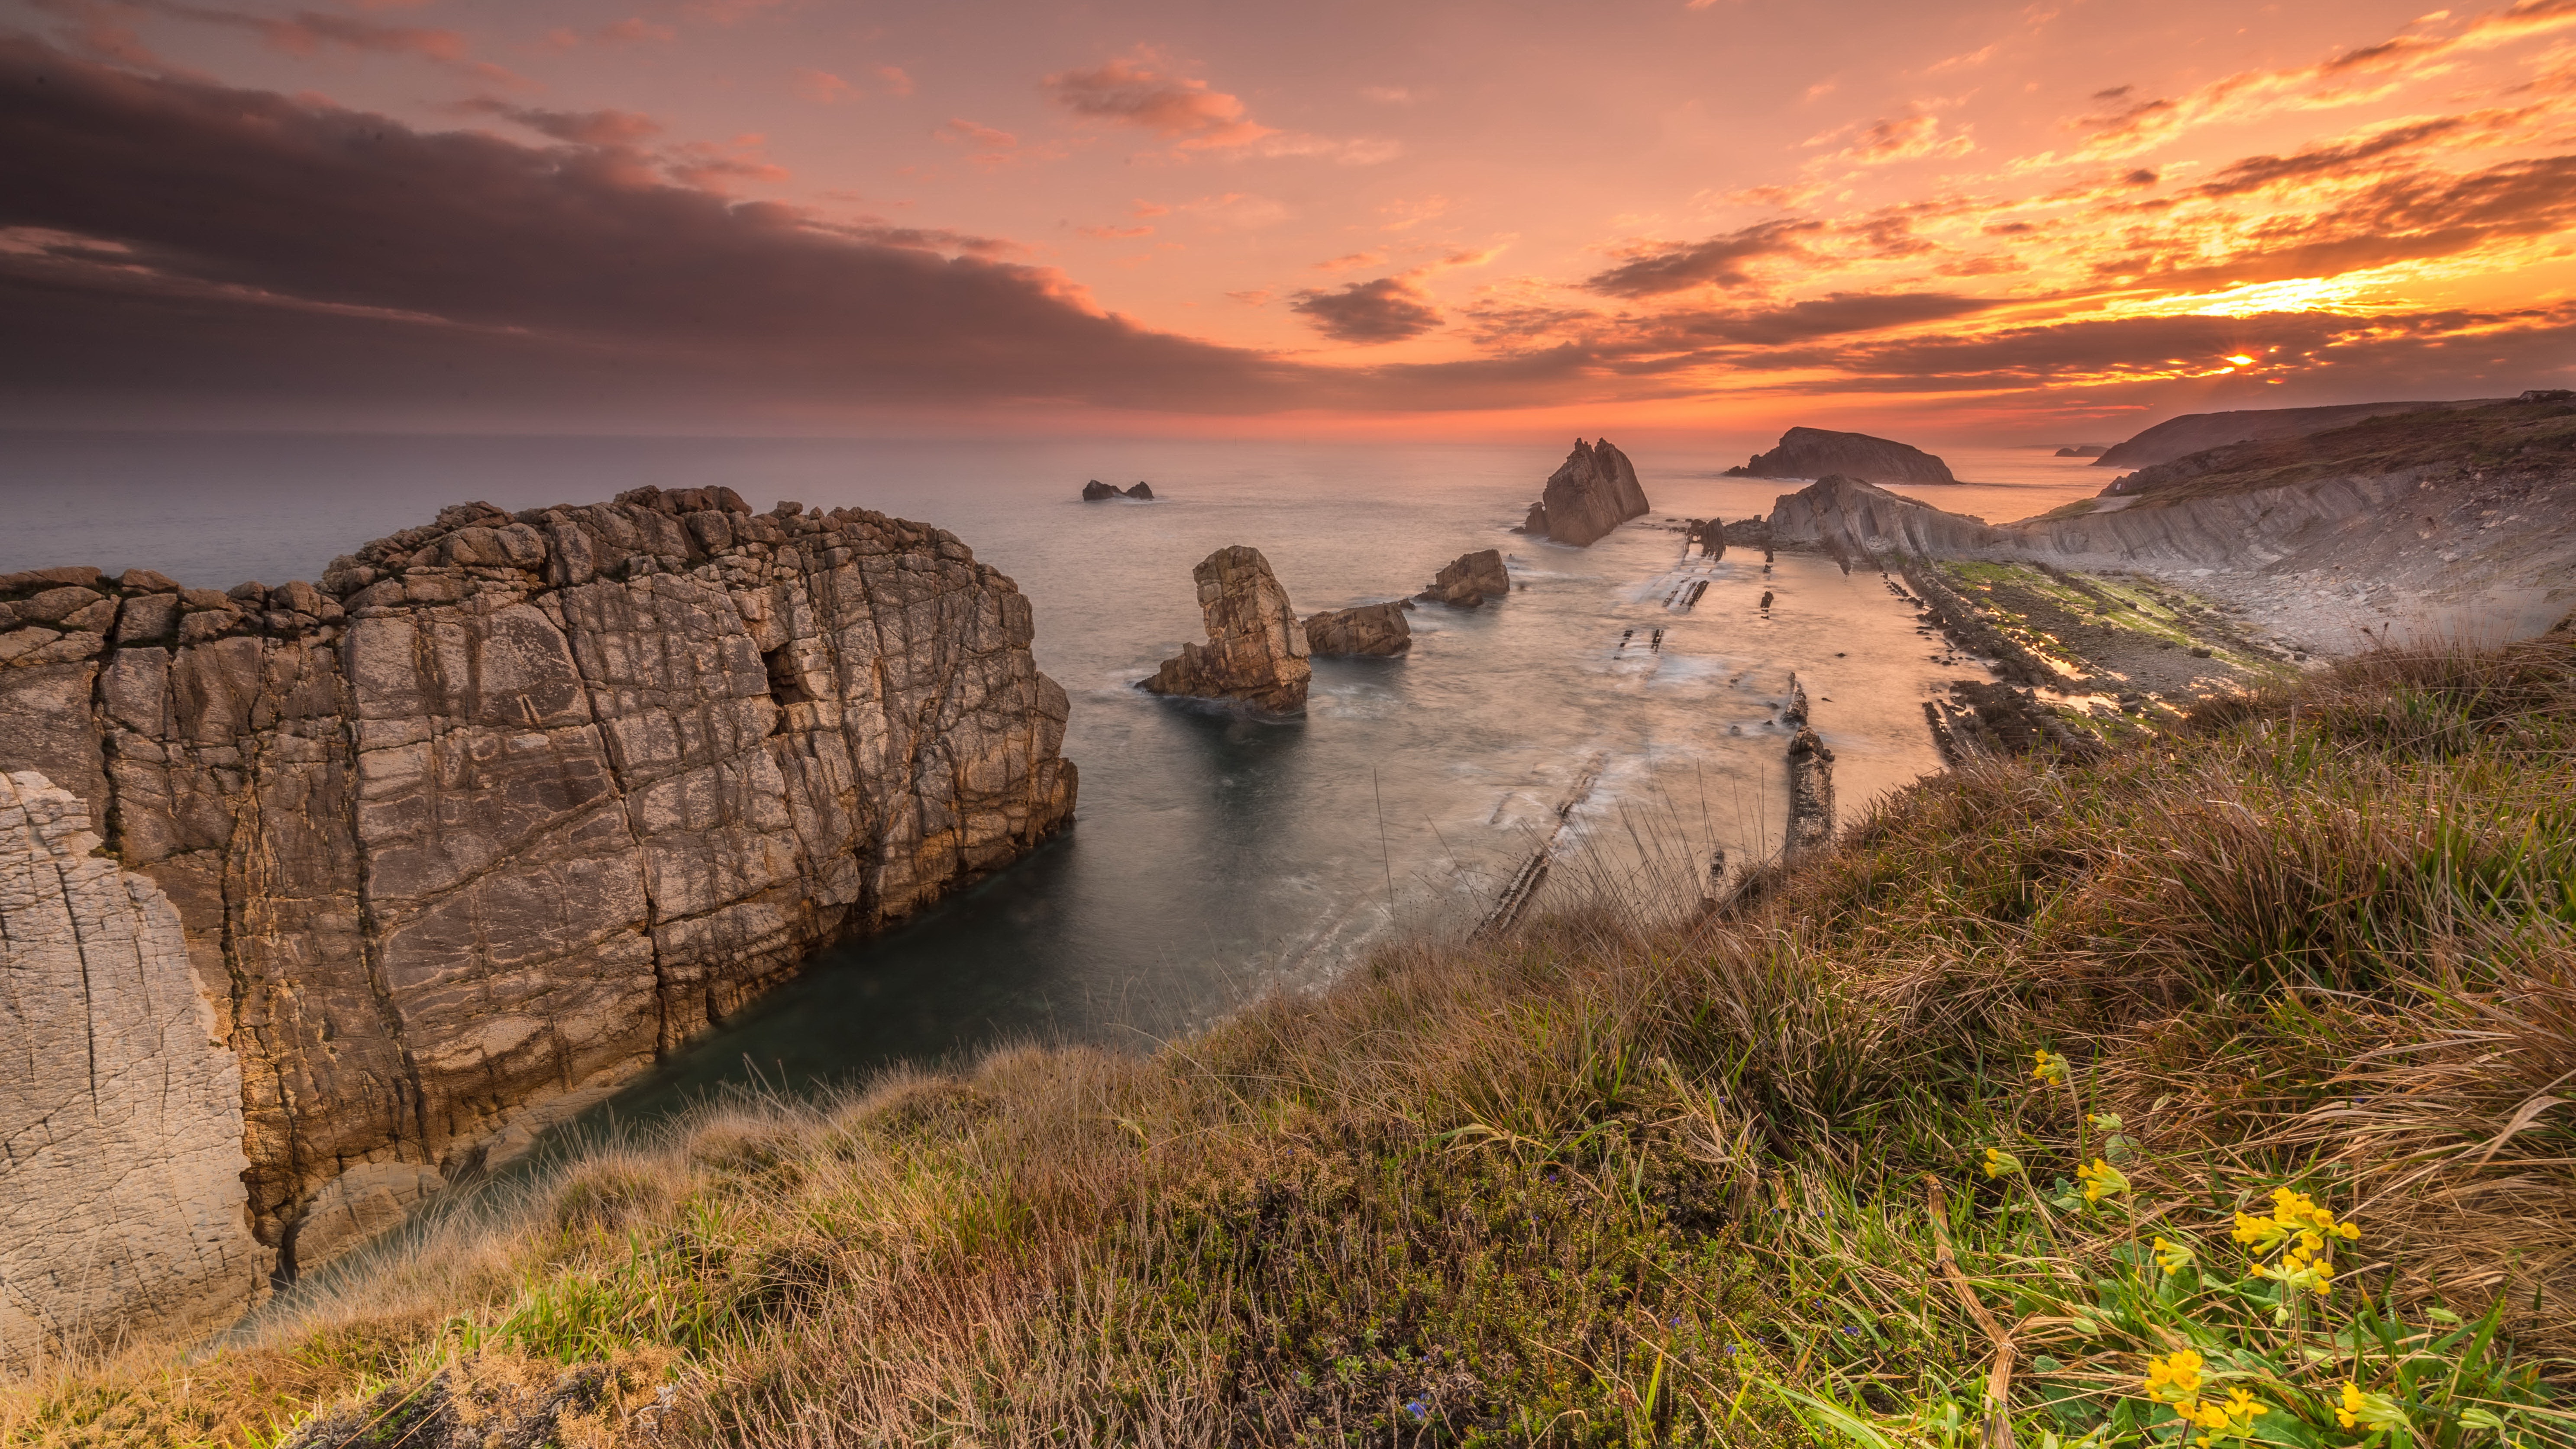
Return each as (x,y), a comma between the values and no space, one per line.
(1705,1180)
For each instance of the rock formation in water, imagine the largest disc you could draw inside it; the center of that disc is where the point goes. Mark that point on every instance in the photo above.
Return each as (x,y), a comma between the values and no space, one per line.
(1374,629)
(1594,492)
(1143,491)
(1811,793)
(120,1107)
(512,804)
(1096,491)
(1256,653)
(2082,450)
(1469,581)
(1815,452)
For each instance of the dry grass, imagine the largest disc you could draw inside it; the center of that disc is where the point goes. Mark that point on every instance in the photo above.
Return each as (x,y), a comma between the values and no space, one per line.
(1589,1185)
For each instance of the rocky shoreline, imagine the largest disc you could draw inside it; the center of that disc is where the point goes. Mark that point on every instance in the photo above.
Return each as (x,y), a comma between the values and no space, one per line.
(502,810)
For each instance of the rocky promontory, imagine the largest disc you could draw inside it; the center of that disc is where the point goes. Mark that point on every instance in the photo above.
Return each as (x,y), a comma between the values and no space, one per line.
(1592,492)
(1815,452)
(1256,653)
(1370,629)
(503,809)
(1470,580)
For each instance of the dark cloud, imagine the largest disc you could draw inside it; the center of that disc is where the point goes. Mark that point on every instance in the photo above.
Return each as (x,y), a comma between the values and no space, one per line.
(1719,261)
(1842,312)
(1389,309)
(2256,172)
(581,128)
(193,240)
(1131,92)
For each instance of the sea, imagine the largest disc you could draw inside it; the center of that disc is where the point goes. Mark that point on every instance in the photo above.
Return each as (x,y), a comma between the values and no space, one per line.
(1213,856)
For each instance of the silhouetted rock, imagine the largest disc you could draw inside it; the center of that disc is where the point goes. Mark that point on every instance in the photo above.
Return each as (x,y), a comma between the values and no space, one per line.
(1141,491)
(1375,629)
(1256,653)
(1594,492)
(1470,580)
(2083,450)
(2195,432)
(1814,453)
(1096,491)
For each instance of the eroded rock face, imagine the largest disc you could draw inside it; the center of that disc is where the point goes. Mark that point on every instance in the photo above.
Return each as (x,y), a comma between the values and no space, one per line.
(1096,491)
(121,1201)
(1256,653)
(1470,581)
(1373,629)
(1816,452)
(1593,492)
(510,804)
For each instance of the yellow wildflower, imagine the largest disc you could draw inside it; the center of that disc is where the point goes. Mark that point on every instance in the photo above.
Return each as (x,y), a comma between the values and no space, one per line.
(2172,1257)
(2174,1379)
(2101,1180)
(2232,1419)
(1999,1162)
(2051,1068)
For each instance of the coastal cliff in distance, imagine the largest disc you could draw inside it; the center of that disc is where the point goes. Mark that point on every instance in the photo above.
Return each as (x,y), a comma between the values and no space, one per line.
(512,804)
(2194,432)
(2469,512)
(1818,453)
(1592,492)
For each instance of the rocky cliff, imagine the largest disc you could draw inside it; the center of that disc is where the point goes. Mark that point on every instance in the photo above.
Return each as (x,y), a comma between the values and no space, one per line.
(120,1107)
(1592,492)
(1256,654)
(1470,580)
(1815,453)
(2192,432)
(510,804)
(1371,629)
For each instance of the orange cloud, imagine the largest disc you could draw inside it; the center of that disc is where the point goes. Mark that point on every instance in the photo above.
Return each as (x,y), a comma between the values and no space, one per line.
(1129,91)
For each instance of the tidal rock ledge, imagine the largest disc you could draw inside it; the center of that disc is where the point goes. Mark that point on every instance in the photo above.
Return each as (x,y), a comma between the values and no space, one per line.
(513,803)
(1469,581)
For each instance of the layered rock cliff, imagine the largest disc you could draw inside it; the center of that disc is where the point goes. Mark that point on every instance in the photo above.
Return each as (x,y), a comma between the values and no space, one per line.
(1370,629)
(1816,452)
(1470,580)
(120,1108)
(2193,432)
(1592,492)
(1256,654)
(510,804)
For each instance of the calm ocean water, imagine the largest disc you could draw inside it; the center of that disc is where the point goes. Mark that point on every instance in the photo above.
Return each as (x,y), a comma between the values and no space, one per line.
(1212,856)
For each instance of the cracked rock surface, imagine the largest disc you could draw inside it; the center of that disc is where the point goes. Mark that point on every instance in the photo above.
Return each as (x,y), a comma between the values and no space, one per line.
(511,803)
(120,1112)
(1256,652)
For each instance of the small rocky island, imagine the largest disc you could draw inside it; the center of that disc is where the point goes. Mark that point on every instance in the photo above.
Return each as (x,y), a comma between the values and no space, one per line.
(1376,630)
(1469,581)
(1096,491)
(1593,492)
(1815,452)
(1255,654)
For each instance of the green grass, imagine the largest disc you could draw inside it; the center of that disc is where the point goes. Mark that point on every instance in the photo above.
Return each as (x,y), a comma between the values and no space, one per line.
(1621,1179)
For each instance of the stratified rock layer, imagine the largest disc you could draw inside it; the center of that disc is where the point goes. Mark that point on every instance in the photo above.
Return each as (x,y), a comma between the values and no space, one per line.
(1256,653)
(513,803)
(1593,492)
(1816,452)
(1470,581)
(120,1112)
(1373,629)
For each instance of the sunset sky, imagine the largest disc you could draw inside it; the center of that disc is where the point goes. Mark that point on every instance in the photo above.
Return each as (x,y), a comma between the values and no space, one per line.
(1429,218)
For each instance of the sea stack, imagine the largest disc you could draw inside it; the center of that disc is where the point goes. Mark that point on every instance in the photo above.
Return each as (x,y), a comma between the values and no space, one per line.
(1594,492)
(1096,491)
(1469,581)
(1256,653)
(1371,629)
(1814,452)
(505,808)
